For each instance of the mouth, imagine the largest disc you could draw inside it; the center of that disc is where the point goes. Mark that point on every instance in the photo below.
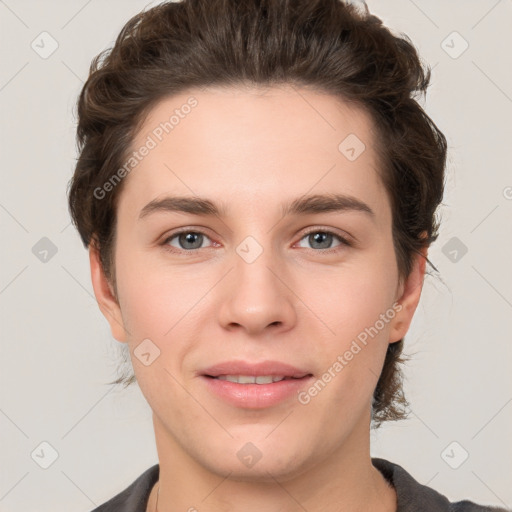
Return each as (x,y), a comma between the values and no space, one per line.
(255,385)
(255,379)
(246,373)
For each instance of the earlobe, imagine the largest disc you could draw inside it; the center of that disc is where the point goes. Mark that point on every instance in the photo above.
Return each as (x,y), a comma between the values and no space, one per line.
(105,297)
(409,297)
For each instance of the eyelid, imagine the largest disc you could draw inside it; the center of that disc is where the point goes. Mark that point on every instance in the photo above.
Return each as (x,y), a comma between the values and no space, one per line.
(179,231)
(344,240)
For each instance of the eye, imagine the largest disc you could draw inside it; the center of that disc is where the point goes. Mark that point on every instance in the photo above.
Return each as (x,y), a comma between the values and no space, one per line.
(323,239)
(189,240)
(186,240)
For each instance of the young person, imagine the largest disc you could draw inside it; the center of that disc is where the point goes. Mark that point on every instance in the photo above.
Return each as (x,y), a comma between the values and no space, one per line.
(257,186)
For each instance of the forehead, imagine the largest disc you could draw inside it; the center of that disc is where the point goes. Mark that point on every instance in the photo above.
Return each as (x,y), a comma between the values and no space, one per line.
(286,117)
(253,144)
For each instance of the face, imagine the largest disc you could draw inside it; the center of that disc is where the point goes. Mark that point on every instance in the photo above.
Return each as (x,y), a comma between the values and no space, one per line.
(274,282)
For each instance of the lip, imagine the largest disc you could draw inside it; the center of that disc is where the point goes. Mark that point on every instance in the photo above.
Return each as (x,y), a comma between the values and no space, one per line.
(255,396)
(273,368)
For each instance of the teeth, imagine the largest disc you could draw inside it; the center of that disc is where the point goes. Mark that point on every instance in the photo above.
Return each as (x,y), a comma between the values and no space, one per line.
(250,379)
(264,379)
(244,379)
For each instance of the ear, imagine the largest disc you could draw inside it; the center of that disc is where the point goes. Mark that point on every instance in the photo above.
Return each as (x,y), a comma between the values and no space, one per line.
(408,296)
(105,296)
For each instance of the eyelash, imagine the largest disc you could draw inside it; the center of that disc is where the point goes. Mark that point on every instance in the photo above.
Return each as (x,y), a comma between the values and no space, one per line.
(343,241)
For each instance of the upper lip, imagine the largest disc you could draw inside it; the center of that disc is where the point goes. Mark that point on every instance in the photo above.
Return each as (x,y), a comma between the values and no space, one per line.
(273,368)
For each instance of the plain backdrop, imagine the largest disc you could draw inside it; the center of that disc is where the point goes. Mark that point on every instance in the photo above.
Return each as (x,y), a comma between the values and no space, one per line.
(57,353)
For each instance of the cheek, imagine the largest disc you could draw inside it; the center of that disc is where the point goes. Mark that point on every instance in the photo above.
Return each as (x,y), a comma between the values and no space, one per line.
(165,305)
(357,305)
(153,299)
(353,298)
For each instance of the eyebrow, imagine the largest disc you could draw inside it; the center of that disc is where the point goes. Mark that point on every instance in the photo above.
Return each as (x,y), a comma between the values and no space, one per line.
(317,203)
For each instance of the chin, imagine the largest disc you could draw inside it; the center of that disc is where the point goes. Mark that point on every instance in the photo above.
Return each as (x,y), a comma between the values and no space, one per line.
(247,463)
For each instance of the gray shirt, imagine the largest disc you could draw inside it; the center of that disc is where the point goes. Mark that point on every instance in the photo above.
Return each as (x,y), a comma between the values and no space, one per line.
(411,495)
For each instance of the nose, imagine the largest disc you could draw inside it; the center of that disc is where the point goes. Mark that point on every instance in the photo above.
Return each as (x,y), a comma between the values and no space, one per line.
(257,297)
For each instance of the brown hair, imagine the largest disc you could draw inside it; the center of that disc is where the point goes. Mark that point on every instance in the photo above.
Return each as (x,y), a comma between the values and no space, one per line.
(327,45)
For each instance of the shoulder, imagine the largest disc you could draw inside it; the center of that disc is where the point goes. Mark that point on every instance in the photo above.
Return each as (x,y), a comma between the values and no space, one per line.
(135,497)
(415,497)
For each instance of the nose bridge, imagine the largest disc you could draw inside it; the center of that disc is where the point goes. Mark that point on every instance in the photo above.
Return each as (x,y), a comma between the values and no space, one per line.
(253,262)
(257,298)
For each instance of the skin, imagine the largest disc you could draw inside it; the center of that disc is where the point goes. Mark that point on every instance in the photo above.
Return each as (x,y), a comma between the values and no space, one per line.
(254,149)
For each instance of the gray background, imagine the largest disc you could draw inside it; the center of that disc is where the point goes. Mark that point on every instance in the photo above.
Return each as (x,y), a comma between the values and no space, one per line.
(56,349)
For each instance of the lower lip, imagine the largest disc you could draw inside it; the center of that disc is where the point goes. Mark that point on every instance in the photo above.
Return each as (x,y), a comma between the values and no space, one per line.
(256,396)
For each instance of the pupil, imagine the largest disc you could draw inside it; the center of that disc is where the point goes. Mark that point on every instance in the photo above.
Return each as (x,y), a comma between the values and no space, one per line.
(189,238)
(321,239)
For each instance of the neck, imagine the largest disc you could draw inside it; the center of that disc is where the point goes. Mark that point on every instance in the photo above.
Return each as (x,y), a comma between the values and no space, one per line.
(345,481)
